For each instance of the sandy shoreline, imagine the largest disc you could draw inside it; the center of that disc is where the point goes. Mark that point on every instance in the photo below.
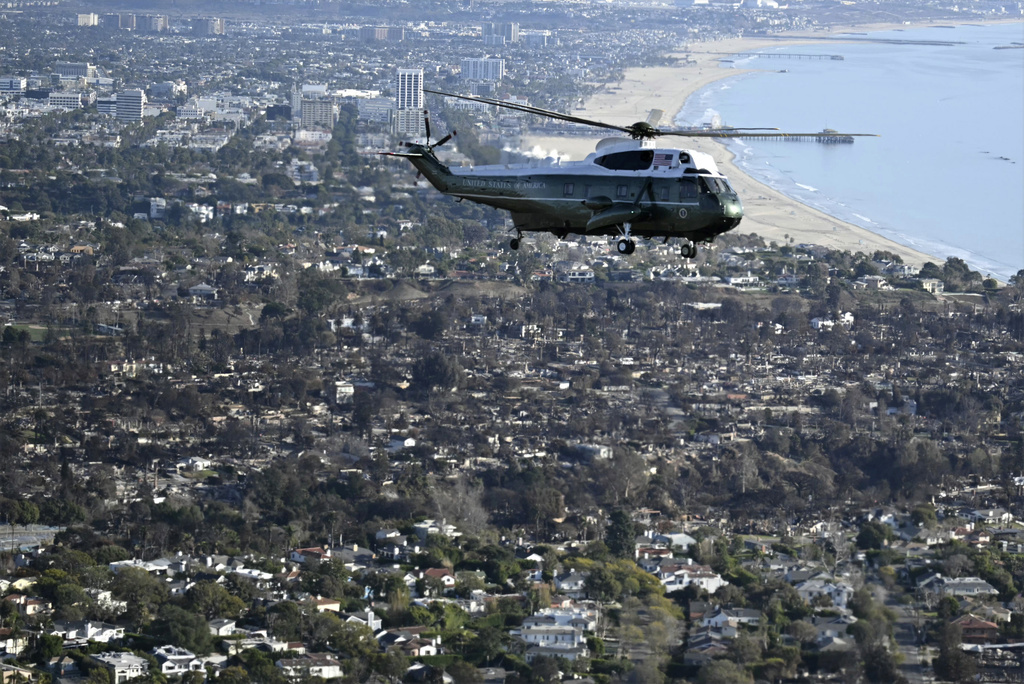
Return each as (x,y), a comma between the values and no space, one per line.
(767,212)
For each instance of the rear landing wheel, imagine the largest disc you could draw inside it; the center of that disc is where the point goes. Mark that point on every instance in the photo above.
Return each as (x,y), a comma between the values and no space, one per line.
(688,250)
(514,244)
(626,246)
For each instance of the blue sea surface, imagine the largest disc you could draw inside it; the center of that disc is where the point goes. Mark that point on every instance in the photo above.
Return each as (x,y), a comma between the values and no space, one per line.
(947,174)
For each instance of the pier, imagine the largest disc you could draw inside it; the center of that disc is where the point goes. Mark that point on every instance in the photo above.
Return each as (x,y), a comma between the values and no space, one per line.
(826,137)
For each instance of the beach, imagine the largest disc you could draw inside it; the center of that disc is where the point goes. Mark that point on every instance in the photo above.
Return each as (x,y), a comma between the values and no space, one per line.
(767,212)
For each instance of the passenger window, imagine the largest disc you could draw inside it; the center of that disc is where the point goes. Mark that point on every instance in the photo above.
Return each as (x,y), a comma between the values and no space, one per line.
(687,188)
(568,189)
(622,191)
(664,194)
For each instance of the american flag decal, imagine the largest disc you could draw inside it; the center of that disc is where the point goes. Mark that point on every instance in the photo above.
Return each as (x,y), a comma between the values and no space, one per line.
(662,159)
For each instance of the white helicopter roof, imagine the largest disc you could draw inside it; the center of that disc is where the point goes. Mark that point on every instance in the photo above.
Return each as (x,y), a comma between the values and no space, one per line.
(664,160)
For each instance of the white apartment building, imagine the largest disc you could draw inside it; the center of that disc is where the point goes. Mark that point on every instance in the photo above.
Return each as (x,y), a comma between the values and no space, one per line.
(485,69)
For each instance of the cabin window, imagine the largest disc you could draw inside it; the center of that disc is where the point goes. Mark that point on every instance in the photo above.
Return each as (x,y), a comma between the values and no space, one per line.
(664,194)
(586,191)
(633,160)
(622,191)
(687,189)
(568,189)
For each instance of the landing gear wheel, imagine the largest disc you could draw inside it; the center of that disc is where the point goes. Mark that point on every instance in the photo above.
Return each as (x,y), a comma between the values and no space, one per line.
(626,246)
(688,250)
(514,244)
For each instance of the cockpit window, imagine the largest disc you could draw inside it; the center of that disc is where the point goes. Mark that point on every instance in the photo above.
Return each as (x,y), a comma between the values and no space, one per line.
(716,186)
(633,160)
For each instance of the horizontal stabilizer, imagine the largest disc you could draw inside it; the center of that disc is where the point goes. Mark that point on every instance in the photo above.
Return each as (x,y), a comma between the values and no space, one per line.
(401,154)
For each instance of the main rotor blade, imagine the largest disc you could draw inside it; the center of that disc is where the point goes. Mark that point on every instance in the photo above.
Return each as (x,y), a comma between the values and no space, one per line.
(443,140)
(746,133)
(527,109)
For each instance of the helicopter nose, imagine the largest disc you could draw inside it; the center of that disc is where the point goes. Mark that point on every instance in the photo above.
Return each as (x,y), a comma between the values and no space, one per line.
(733,209)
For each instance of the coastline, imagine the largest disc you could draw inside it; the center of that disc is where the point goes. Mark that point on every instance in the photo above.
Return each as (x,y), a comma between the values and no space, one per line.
(767,212)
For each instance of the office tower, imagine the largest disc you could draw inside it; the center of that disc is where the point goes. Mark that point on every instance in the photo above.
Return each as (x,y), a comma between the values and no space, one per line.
(486,69)
(409,102)
(88,19)
(130,104)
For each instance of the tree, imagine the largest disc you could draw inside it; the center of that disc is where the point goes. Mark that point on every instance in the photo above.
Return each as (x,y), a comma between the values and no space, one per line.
(953,664)
(212,601)
(183,628)
(621,534)
(874,535)
(354,640)
(724,672)
(435,371)
(143,593)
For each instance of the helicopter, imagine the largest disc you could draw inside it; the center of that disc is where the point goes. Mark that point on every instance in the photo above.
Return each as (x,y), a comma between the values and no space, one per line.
(629,187)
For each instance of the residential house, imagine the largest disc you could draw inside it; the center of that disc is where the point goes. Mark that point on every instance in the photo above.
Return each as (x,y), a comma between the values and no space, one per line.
(122,667)
(11,643)
(29,605)
(177,661)
(311,665)
(720,617)
(839,593)
(222,627)
(316,553)
(967,586)
(364,617)
(82,631)
(974,630)
(571,584)
(322,605)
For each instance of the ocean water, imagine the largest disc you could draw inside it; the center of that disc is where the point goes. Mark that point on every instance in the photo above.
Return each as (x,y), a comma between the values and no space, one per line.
(947,174)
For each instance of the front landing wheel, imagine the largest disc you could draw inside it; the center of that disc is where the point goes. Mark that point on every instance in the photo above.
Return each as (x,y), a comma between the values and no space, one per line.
(626,246)
(514,244)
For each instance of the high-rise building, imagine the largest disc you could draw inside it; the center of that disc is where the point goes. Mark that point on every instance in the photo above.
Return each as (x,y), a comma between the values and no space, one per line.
(319,113)
(500,34)
(486,69)
(371,34)
(409,102)
(88,19)
(208,27)
(130,104)
(126,21)
(151,23)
